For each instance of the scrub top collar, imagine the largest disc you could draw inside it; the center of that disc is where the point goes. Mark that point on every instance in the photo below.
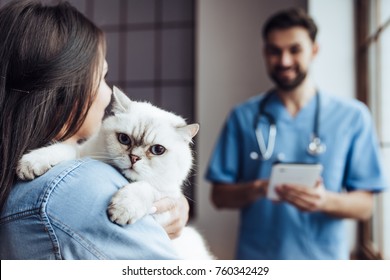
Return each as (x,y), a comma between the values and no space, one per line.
(278,110)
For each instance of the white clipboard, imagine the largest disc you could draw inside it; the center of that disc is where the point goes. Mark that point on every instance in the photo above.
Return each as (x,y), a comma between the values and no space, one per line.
(293,173)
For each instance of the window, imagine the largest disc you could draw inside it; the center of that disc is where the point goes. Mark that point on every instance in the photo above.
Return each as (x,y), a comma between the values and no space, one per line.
(373,69)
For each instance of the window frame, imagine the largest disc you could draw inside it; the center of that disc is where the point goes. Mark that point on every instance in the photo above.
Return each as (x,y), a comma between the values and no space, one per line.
(367,13)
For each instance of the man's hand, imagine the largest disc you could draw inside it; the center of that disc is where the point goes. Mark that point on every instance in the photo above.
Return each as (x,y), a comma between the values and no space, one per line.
(354,205)
(304,198)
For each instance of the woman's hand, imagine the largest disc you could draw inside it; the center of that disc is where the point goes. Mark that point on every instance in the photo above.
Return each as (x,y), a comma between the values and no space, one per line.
(178,209)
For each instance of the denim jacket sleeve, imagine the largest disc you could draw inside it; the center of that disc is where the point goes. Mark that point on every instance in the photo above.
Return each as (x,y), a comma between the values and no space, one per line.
(62,215)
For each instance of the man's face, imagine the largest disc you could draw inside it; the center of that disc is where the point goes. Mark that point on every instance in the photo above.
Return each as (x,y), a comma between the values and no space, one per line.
(288,54)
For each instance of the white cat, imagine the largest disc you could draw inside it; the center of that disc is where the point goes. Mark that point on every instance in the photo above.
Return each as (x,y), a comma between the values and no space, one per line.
(150,147)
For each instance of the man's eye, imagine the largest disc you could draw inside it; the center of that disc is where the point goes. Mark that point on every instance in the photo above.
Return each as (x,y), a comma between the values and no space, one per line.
(272,51)
(157,150)
(295,50)
(124,139)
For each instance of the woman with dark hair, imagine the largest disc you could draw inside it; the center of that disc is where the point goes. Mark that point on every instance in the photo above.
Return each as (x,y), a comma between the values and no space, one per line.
(52,88)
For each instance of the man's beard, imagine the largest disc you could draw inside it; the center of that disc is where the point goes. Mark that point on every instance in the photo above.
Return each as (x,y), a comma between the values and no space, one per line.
(286,84)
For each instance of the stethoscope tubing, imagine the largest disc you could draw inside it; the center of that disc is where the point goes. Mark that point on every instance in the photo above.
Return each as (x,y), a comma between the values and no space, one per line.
(315,148)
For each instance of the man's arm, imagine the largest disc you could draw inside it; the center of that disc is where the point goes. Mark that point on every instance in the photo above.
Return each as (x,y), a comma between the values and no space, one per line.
(238,195)
(354,205)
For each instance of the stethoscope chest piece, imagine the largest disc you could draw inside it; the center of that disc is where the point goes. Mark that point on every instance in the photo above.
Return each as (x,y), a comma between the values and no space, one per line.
(316,147)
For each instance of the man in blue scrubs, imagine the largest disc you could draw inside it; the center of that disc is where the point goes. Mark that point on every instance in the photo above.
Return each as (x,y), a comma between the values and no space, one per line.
(308,223)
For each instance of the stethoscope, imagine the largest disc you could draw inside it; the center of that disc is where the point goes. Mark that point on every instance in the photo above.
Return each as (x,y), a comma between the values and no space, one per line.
(315,147)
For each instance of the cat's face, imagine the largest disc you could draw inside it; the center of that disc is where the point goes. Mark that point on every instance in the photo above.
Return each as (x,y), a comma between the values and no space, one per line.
(147,143)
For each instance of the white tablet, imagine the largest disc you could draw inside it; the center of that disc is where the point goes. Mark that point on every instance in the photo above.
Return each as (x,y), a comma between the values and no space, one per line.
(292,173)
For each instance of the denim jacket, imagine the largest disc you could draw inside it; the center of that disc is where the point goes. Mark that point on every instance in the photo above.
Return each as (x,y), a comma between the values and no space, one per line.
(62,215)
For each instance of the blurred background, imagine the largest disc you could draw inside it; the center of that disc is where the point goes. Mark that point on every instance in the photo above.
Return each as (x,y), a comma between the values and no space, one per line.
(198,58)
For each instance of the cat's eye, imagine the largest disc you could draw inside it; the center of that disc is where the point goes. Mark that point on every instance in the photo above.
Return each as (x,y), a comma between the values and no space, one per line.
(124,139)
(157,150)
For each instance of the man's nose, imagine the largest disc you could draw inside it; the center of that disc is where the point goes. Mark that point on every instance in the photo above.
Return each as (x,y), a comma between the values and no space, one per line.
(286,59)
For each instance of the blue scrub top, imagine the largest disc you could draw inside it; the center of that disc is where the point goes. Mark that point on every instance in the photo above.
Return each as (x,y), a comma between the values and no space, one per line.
(351,162)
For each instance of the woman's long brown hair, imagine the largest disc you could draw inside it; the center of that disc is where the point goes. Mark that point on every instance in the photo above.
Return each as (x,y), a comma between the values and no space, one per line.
(49,58)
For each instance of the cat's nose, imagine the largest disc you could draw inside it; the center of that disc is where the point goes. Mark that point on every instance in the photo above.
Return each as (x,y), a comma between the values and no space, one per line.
(134,158)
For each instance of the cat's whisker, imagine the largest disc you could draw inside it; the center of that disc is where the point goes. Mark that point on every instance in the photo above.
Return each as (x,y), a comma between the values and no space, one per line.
(189,198)
(97,153)
(104,156)
(101,157)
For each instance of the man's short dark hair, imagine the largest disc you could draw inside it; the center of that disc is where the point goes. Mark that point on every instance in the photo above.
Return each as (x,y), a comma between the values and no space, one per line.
(293,17)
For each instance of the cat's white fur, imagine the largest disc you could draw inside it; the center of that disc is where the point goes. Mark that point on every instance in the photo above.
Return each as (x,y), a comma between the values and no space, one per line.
(152,176)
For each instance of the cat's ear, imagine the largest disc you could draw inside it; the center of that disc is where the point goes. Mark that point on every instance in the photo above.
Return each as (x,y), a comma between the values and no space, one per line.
(189,131)
(120,102)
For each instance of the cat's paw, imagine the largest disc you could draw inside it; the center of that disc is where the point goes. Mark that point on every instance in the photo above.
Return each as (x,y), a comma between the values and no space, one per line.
(32,165)
(126,207)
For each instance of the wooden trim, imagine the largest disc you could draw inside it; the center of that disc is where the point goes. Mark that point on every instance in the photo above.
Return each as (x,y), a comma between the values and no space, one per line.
(362,33)
(375,37)
(365,249)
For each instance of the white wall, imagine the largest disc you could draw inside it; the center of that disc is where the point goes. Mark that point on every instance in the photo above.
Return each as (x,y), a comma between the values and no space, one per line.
(334,68)
(229,70)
